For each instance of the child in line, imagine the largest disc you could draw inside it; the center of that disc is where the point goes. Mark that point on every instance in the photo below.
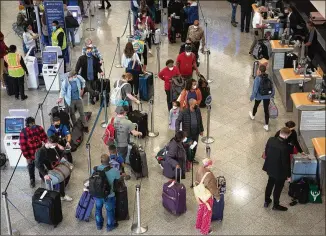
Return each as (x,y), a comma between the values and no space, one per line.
(116,161)
(174,114)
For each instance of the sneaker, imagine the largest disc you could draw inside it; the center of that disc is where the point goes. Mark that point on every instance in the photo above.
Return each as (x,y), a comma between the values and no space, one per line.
(210,231)
(234,24)
(85,16)
(66,198)
(161,166)
(198,60)
(101,8)
(86,130)
(279,208)
(266,204)
(32,183)
(114,227)
(251,115)
(150,52)
(24,98)
(99,227)
(17,98)
(266,127)
(108,6)
(195,161)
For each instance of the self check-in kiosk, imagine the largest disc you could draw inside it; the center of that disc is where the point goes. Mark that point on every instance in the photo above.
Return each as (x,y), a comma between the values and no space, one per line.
(31,63)
(13,126)
(52,65)
(76,13)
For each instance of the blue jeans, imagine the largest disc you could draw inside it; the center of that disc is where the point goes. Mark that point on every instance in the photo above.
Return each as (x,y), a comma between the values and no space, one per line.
(135,16)
(234,11)
(71,33)
(109,203)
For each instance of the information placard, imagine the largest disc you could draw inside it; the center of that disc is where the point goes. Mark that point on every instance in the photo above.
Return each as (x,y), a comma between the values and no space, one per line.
(313,120)
(54,11)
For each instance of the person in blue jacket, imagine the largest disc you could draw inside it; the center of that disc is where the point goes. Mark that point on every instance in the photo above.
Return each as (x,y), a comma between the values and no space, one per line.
(258,97)
(191,11)
(61,131)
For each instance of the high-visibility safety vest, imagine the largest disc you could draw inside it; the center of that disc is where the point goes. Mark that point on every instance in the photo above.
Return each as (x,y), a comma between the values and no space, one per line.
(54,38)
(15,69)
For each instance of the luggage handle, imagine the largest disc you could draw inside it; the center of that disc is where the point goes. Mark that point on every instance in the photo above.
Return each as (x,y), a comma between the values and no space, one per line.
(176,174)
(48,183)
(138,138)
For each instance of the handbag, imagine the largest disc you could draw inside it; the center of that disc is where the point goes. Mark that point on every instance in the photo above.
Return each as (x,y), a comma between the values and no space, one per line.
(138,46)
(201,192)
(273,111)
(61,171)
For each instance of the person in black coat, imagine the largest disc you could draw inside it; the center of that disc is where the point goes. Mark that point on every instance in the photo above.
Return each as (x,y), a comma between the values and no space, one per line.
(71,25)
(191,121)
(292,139)
(278,168)
(246,9)
(88,66)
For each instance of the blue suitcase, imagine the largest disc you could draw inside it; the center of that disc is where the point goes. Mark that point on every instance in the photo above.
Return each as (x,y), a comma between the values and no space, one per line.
(85,206)
(146,86)
(218,209)
(303,166)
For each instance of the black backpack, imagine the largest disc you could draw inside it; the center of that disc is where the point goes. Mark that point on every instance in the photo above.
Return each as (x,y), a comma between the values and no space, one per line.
(299,190)
(99,185)
(266,85)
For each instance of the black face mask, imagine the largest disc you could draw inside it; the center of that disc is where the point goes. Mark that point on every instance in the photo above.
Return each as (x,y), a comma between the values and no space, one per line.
(57,126)
(195,107)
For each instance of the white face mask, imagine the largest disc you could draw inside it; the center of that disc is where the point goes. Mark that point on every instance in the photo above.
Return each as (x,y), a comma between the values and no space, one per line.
(195,27)
(140,27)
(171,68)
(194,87)
(50,145)
(184,140)
(188,53)
(286,11)
(174,107)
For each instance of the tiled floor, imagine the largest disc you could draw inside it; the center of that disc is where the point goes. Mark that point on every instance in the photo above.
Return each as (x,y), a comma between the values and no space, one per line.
(236,151)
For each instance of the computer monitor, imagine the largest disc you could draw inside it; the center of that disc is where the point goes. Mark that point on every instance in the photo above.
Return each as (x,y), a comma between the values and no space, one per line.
(49,57)
(13,125)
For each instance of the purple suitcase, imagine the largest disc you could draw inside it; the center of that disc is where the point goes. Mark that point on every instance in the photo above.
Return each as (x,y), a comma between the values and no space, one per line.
(174,197)
(85,206)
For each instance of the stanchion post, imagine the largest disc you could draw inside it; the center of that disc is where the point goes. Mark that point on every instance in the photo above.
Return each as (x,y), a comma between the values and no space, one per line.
(208,54)
(119,54)
(162,19)
(90,20)
(40,105)
(152,133)
(129,20)
(206,35)
(208,139)
(137,228)
(105,122)
(158,60)
(88,149)
(5,201)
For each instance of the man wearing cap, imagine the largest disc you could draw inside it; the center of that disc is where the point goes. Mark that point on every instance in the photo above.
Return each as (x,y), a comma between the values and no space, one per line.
(31,139)
(88,66)
(123,128)
(72,89)
(61,131)
(186,62)
(95,51)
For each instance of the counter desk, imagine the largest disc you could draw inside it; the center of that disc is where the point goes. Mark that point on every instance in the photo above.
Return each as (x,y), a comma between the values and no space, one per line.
(310,119)
(320,153)
(287,82)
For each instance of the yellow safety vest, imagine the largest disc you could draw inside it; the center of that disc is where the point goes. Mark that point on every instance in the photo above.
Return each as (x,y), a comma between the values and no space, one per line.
(54,38)
(15,69)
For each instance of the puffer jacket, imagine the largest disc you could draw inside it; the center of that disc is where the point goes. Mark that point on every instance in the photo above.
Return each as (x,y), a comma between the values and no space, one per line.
(185,119)
(176,155)
(184,100)
(210,181)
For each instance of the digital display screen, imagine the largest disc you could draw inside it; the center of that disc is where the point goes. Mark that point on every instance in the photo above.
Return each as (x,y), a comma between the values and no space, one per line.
(74,14)
(49,57)
(13,125)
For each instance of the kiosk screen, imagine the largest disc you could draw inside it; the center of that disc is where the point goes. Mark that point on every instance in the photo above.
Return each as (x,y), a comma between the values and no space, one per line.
(13,125)
(49,57)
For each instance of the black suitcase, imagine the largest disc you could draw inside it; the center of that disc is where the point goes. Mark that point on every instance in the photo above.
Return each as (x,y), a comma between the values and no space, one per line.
(288,60)
(9,84)
(138,161)
(121,195)
(141,119)
(77,133)
(157,16)
(47,209)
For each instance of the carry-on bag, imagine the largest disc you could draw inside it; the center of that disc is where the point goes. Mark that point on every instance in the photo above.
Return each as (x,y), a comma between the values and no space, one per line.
(138,161)
(77,133)
(47,206)
(85,207)
(174,195)
(303,166)
(273,110)
(160,156)
(141,119)
(299,190)
(61,171)
(218,209)
(121,195)
(146,86)
(177,85)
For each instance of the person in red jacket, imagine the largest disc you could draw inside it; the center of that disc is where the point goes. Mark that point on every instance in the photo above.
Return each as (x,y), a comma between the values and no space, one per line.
(3,52)
(186,62)
(149,24)
(167,74)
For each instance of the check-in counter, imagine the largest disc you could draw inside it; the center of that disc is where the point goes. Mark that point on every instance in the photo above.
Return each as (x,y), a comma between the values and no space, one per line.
(320,153)
(288,82)
(310,118)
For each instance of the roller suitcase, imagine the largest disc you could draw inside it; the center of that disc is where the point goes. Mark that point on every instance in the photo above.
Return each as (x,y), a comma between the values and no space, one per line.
(146,86)
(218,209)
(141,119)
(255,68)
(47,207)
(303,166)
(77,133)
(9,84)
(121,195)
(85,207)
(174,196)
(138,161)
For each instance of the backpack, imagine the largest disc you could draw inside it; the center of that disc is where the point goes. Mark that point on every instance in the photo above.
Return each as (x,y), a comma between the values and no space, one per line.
(266,85)
(177,85)
(99,185)
(262,50)
(299,190)
(109,133)
(116,95)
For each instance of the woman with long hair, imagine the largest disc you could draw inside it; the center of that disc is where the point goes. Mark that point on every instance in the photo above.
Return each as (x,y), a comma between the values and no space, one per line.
(190,91)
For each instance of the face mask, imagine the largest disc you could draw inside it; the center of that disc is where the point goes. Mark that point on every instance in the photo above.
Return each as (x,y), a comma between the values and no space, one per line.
(174,107)
(195,26)
(54,28)
(170,68)
(57,126)
(184,140)
(112,156)
(89,54)
(140,27)
(286,11)
(196,106)
(188,53)
(50,145)
(194,87)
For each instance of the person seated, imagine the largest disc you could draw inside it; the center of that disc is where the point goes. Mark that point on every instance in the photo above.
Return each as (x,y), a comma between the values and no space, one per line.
(118,161)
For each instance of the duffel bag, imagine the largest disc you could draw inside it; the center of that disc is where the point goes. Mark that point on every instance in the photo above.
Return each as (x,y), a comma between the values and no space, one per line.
(61,171)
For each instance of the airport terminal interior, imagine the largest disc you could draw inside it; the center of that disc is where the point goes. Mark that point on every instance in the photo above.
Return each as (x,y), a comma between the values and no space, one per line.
(236,151)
